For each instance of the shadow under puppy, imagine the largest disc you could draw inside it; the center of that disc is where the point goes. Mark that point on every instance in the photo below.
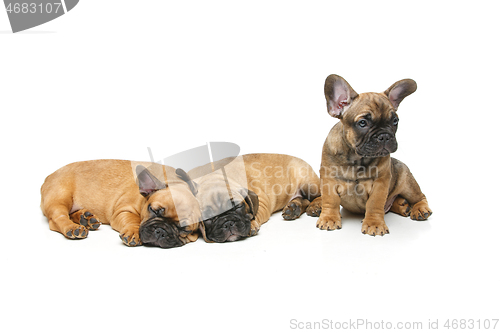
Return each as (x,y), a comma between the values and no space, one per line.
(82,195)
(237,195)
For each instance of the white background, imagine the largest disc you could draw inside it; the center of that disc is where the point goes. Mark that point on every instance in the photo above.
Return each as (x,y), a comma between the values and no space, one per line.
(111,78)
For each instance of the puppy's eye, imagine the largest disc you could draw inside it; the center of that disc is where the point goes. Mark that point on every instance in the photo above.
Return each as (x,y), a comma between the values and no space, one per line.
(395,121)
(184,231)
(157,212)
(362,123)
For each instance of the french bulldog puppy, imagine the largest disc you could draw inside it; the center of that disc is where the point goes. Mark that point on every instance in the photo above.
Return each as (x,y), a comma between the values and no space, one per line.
(357,171)
(80,196)
(237,195)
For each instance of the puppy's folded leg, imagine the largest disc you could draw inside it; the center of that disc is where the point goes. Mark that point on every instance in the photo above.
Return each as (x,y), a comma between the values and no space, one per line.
(254,228)
(412,193)
(263,214)
(314,208)
(295,208)
(56,207)
(401,206)
(59,221)
(127,224)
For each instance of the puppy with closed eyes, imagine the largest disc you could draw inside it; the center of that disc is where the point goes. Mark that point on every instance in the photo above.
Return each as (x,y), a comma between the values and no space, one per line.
(79,197)
(237,195)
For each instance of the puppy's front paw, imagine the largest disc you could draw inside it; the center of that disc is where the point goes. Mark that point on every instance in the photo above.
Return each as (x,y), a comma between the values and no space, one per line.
(329,222)
(254,228)
(374,227)
(420,211)
(292,210)
(130,237)
(314,209)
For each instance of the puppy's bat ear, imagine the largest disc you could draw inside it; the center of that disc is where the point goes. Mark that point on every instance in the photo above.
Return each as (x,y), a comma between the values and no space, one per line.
(399,90)
(147,183)
(252,200)
(185,177)
(202,230)
(339,95)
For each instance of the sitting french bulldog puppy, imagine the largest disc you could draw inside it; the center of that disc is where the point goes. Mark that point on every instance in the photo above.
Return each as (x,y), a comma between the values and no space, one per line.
(357,171)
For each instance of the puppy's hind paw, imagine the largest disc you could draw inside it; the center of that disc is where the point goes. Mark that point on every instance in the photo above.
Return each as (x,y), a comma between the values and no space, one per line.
(420,211)
(76,232)
(401,207)
(86,219)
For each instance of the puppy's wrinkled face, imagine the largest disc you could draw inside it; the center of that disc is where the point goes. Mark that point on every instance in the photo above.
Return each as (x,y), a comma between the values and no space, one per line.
(370,125)
(161,225)
(227,209)
(170,217)
(369,120)
(229,226)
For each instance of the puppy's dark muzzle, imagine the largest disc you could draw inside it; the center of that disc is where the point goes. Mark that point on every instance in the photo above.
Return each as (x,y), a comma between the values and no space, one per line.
(228,224)
(385,137)
(229,227)
(161,233)
(380,144)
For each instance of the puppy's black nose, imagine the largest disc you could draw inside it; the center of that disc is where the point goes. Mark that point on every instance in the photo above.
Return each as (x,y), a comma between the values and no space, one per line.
(228,224)
(384,137)
(159,233)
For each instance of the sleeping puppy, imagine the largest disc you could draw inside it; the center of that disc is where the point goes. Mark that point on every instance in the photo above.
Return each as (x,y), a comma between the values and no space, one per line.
(80,196)
(237,195)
